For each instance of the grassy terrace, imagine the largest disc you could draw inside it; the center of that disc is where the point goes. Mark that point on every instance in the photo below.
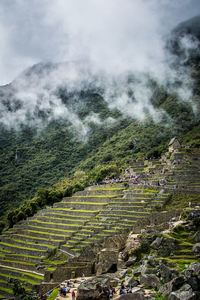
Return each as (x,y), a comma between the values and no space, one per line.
(7,290)
(128,204)
(47,233)
(76,210)
(28,274)
(61,219)
(5,251)
(127,211)
(51,223)
(27,256)
(95,196)
(86,203)
(21,278)
(34,244)
(51,229)
(65,216)
(38,238)
(109,189)
(20,262)
(145,189)
(20,247)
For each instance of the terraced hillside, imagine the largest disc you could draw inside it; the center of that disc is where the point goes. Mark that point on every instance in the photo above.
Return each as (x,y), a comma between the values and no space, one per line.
(54,244)
(68,228)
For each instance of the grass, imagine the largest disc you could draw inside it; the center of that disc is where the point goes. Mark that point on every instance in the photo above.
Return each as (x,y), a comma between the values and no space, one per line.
(94,196)
(25,273)
(108,189)
(53,229)
(127,211)
(89,225)
(181,200)
(19,262)
(53,294)
(37,238)
(61,219)
(34,244)
(28,256)
(70,216)
(78,210)
(7,290)
(31,281)
(47,233)
(5,251)
(94,238)
(60,224)
(182,264)
(19,247)
(149,190)
(86,203)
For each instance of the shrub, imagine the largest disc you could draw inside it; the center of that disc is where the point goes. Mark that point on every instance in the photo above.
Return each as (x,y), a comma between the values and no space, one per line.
(53,196)
(2,226)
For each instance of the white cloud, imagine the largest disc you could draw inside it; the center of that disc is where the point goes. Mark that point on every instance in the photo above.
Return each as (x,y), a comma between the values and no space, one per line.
(111,37)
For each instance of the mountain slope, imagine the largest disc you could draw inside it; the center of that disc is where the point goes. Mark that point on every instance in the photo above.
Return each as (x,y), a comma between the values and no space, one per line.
(58,118)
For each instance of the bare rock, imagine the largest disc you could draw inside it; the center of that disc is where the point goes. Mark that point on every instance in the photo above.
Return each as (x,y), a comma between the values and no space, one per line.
(96,288)
(133,296)
(150,280)
(167,247)
(123,273)
(173,285)
(165,273)
(197,237)
(196,249)
(131,261)
(130,281)
(140,270)
(195,267)
(156,243)
(184,293)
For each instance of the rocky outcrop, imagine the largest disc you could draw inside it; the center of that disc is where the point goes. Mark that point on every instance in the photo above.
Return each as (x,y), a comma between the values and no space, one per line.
(184,293)
(167,247)
(197,237)
(150,280)
(134,296)
(96,288)
(196,249)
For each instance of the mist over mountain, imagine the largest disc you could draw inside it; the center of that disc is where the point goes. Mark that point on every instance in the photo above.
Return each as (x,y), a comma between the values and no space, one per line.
(184,41)
(56,118)
(53,91)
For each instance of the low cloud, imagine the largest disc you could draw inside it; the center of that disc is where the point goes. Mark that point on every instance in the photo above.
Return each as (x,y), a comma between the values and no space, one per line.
(114,46)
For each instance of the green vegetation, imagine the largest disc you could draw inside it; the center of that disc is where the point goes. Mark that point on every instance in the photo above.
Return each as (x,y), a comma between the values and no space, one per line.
(32,163)
(21,292)
(53,294)
(181,200)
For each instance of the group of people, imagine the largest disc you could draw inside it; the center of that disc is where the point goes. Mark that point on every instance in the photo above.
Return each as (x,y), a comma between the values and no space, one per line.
(111,292)
(124,291)
(65,288)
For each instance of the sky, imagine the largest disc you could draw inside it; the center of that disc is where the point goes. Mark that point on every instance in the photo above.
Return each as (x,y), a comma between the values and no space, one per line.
(114,35)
